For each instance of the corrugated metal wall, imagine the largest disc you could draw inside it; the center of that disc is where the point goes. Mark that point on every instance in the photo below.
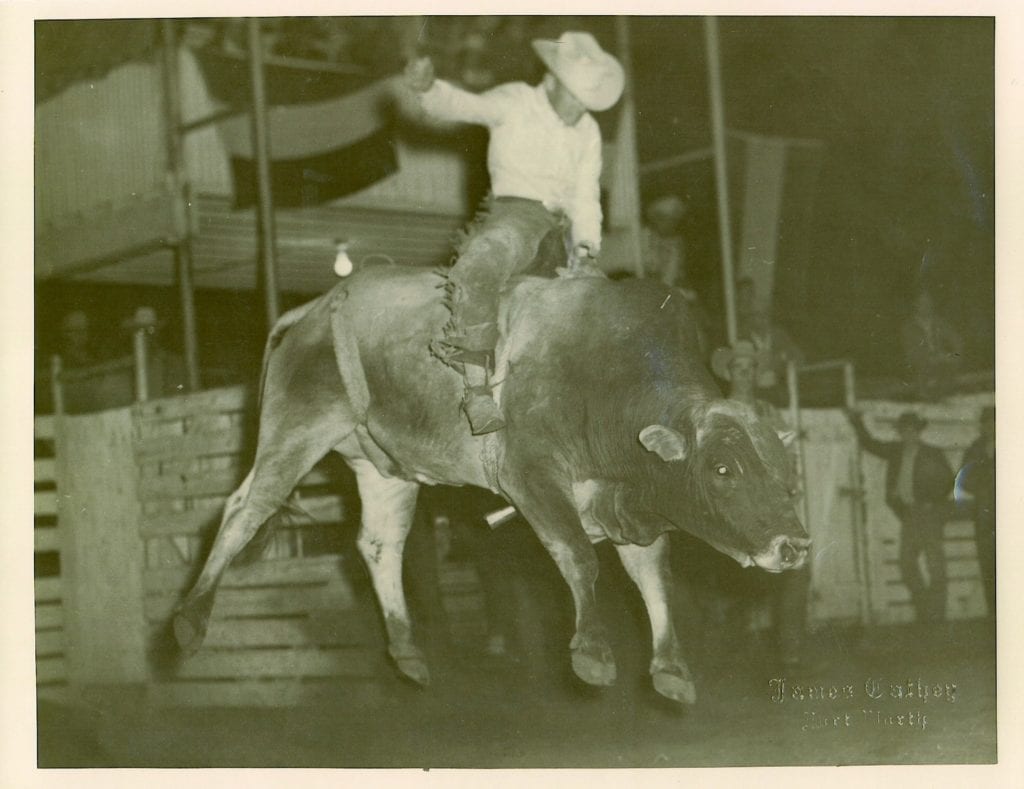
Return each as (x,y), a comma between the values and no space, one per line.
(99,144)
(428,179)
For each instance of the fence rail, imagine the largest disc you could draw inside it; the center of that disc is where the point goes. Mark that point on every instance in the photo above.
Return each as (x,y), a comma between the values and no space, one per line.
(51,666)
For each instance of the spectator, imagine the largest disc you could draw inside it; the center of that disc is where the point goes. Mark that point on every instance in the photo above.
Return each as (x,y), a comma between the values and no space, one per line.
(76,390)
(754,323)
(978,477)
(664,252)
(165,370)
(932,349)
(744,367)
(917,481)
(76,343)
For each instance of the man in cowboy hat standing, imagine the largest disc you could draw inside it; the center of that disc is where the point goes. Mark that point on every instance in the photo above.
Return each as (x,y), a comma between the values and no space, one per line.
(918,480)
(544,159)
(747,369)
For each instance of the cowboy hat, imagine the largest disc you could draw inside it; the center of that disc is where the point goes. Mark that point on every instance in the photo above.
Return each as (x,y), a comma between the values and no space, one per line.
(912,420)
(722,359)
(592,75)
(143,318)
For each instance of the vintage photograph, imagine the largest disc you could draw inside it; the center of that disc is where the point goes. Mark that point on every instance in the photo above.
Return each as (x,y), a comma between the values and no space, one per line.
(490,391)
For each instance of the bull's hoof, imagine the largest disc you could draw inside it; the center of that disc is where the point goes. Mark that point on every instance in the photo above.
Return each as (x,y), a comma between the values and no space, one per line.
(674,687)
(189,632)
(594,664)
(412,664)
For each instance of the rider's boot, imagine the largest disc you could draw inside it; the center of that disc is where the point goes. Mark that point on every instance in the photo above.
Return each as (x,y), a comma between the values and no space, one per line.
(478,402)
(474,349)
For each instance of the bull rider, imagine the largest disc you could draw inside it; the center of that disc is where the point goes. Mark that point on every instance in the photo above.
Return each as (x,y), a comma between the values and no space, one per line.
(544,160)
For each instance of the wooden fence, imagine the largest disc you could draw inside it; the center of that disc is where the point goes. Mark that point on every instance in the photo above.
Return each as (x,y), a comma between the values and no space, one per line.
(51,663)
(141,492)
(128,501)
(286,627)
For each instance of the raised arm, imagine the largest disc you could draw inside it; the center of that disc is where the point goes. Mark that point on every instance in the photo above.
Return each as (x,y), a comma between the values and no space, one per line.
(867,441)
(443,101)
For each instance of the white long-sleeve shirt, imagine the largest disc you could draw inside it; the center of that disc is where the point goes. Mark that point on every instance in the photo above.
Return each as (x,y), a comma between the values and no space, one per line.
(532,153)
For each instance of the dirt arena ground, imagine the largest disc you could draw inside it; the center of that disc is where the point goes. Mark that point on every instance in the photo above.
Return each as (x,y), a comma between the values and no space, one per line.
(481,714)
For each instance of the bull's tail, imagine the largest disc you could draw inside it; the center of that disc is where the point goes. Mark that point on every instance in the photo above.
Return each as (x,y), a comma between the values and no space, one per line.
(283,324)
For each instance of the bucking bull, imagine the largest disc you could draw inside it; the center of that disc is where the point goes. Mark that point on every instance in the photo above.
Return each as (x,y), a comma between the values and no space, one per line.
(615,431)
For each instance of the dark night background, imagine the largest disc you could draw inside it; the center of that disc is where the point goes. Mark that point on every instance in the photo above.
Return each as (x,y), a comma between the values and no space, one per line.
(905,193)
(903,197)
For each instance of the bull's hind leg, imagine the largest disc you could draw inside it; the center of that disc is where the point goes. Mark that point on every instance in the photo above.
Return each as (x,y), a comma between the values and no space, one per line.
(285,455)
(648,567)
(292,439)
(388,508)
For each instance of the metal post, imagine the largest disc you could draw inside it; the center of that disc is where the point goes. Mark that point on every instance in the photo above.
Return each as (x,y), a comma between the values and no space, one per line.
(793,384)
(261,150)
(186,290)
(628,120)
(57,383)
(721,172)
(849,386)
(861,532)
(176,177)
(140,355)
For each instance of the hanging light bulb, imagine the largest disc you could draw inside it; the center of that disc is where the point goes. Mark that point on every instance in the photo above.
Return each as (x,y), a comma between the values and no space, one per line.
(342,262)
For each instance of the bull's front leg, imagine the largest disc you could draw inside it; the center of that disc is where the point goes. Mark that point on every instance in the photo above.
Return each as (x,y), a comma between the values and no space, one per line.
(649,568)
(558,526)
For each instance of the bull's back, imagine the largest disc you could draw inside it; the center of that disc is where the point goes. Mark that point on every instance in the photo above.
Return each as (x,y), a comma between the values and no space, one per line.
(591,363)
(414,411)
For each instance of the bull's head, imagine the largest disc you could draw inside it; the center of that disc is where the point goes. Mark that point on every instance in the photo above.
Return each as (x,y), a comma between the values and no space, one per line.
(732,481)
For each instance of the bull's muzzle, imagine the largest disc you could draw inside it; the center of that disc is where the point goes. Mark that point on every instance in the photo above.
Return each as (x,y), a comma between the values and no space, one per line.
(784,553)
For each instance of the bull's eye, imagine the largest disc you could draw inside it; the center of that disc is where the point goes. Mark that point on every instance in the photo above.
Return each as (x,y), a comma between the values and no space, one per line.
(722,470)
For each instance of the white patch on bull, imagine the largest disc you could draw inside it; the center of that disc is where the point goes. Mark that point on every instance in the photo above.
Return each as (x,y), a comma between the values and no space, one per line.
(734,409)
(501,354)
(665,442)
(584,493)
(770,559)
(745,417)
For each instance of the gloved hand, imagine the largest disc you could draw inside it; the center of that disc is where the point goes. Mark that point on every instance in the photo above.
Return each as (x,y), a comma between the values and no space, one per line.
(584,250)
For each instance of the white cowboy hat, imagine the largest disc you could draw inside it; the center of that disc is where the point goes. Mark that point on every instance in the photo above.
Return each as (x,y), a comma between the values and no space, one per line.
(591,74)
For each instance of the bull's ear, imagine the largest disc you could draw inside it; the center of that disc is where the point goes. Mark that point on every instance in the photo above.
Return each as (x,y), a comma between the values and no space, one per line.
(664,441)
(787,437)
